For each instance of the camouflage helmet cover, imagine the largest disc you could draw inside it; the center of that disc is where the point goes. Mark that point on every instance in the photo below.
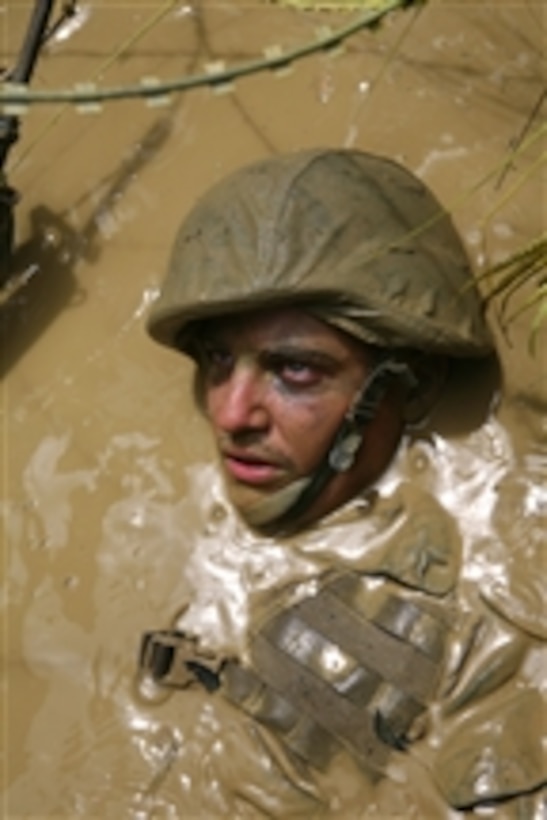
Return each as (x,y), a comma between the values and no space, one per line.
(336,230)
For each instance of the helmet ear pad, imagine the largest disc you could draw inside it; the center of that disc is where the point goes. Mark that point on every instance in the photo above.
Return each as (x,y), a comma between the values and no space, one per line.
(431,373)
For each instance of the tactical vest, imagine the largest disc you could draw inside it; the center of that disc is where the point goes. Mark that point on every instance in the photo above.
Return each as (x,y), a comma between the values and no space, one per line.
(325,673)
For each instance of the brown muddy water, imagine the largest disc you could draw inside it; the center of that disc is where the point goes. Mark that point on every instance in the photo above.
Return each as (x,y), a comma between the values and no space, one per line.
(113,518)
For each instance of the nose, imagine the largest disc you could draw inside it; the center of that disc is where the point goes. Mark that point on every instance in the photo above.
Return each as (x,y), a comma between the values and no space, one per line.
(239,404)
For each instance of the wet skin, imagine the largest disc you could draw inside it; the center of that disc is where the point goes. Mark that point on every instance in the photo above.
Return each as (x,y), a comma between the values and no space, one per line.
(275,386)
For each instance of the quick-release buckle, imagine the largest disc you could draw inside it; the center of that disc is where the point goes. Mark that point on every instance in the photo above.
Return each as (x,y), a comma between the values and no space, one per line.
(172,659)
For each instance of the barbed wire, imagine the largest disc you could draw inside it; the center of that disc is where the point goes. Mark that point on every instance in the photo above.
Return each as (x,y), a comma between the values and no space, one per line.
(88,97)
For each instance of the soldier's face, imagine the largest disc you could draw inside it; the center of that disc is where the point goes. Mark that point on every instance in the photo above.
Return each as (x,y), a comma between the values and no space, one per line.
(275,387)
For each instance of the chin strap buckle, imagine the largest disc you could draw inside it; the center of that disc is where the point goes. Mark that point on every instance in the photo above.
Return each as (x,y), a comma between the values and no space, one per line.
(363,409)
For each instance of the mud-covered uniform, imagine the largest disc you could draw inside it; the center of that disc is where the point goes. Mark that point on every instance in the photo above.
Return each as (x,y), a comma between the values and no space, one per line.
(389,659)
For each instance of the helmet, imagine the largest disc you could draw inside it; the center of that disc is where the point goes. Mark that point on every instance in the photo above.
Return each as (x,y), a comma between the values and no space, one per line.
(329,229)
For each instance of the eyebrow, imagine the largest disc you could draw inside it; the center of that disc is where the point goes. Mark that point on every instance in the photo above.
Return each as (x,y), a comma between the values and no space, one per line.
(269,355)
(288,352)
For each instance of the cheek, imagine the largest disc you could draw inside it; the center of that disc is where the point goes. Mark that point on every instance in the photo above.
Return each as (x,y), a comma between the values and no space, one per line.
(305,429)
(211,401)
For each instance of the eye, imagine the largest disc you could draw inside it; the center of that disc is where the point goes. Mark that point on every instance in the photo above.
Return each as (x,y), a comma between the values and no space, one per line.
(296,373)
(216,361)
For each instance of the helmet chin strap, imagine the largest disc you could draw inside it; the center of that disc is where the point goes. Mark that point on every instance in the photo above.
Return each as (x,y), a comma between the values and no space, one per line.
(280,513)
(264,514)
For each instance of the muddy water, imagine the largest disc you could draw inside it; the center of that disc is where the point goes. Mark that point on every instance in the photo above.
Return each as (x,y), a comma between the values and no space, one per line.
(113,515)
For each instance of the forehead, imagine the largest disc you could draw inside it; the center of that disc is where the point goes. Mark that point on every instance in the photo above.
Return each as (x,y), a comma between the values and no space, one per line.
(279,327)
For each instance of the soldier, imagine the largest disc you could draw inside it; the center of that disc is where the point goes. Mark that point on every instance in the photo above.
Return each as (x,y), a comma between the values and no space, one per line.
(324,297)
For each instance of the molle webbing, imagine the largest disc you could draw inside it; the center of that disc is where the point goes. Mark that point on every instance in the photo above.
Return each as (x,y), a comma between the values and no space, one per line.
(325,676)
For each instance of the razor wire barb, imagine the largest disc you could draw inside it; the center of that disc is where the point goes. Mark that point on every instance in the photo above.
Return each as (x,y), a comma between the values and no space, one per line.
(15,98)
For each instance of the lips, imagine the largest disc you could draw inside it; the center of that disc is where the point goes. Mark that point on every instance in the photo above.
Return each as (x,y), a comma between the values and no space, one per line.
(250,469)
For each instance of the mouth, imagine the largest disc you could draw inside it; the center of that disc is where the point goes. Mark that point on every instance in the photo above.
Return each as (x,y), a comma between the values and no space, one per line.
(249,469)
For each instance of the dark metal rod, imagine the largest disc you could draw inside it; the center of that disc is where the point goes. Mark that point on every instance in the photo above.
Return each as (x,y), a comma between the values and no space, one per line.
(33,40)
(9,124)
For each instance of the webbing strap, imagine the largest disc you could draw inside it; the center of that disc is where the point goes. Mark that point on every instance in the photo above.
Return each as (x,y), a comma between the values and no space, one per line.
(323,669)
(392,658)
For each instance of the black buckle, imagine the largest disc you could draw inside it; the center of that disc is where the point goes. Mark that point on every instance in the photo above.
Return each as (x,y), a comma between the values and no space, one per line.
(172,659)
